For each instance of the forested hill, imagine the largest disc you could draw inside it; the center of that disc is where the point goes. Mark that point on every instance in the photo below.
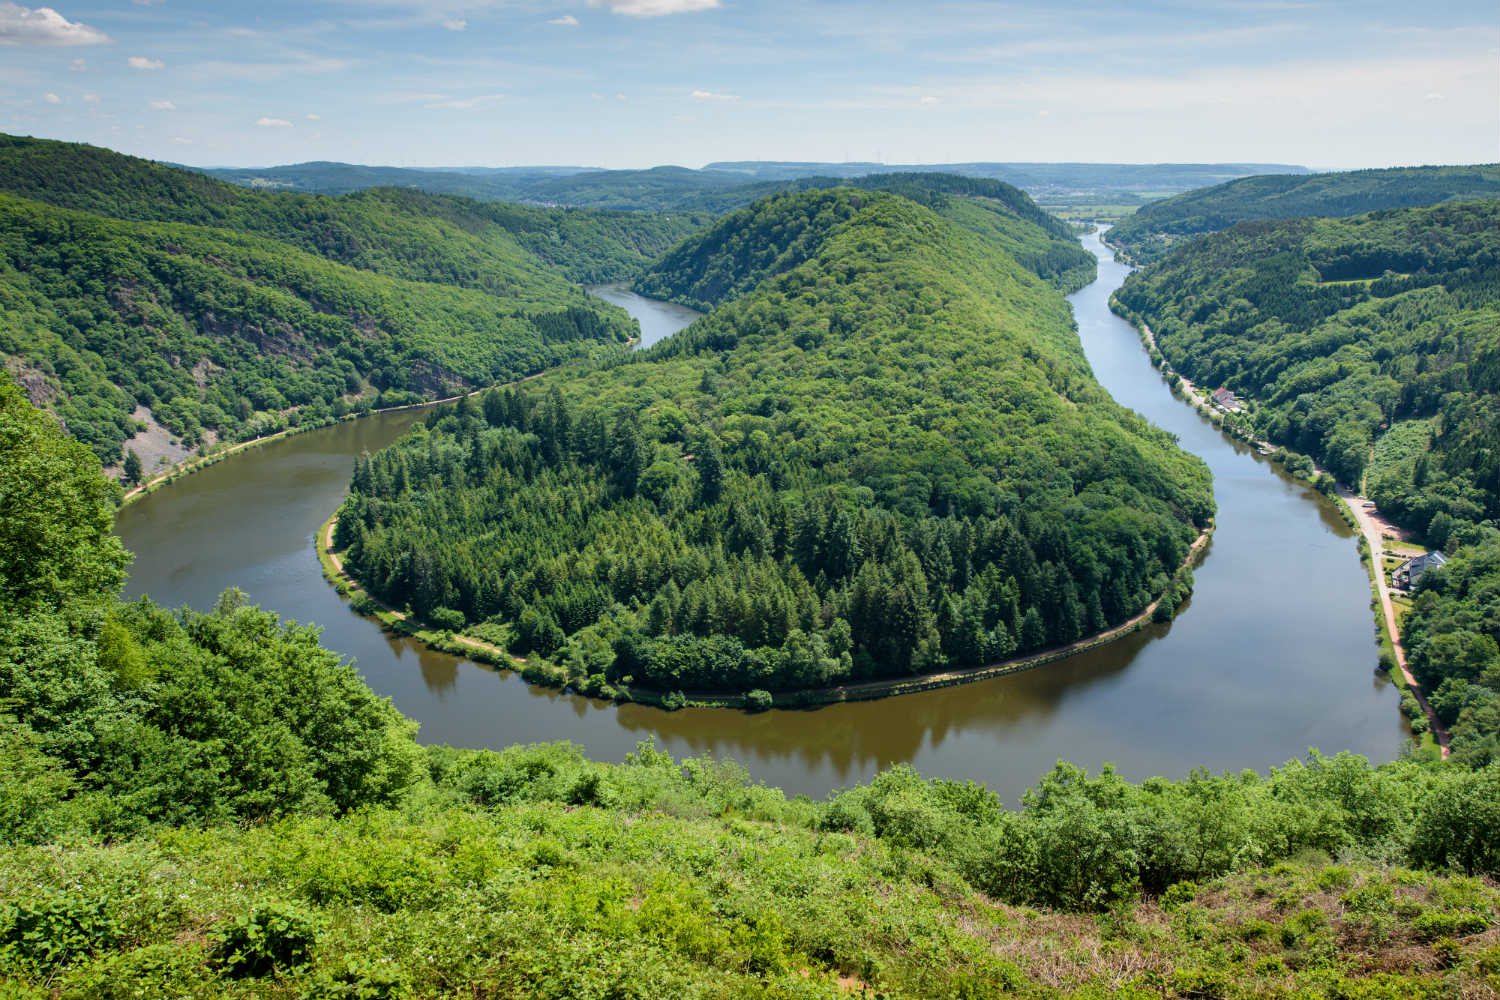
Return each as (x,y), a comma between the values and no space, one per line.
(887,455)
(1156,228)
(401,232)
(1345,331)
(227,312)
(1373,345)
(736,255)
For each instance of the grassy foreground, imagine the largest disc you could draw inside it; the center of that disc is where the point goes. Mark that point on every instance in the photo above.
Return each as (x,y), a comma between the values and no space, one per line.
(654,879)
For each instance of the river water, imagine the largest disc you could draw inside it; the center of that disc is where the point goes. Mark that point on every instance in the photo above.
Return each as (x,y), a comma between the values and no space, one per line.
(1274,653)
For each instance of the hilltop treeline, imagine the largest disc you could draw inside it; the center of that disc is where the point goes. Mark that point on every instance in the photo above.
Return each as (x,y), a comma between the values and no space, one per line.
(890,455)
(754,244)
(1154,229)
(206,805)
(125,283)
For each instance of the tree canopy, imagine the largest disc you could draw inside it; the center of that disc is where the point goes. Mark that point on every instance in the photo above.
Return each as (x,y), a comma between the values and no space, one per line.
(1154,229)
(905,462)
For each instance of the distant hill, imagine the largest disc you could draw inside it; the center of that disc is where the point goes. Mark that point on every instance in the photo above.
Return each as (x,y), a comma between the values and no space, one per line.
(723,187)
(1152,230)
(135,293)
(1034,177)
(702,273)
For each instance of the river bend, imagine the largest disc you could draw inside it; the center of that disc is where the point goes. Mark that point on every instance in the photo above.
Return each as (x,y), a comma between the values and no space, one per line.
(1273,654)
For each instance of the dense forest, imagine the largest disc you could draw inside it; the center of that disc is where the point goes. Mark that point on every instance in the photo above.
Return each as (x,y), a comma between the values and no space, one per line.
(400,233)
(211,805)
(732,258)
(229,313)
(1155,229)
(886,456)
(1341,330)
(1371,344)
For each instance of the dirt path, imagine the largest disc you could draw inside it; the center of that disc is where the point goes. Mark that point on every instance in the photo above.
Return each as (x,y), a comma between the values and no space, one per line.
(1376,529)
(325,542)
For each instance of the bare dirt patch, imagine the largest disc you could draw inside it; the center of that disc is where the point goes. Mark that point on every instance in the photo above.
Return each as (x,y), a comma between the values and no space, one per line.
(158,447)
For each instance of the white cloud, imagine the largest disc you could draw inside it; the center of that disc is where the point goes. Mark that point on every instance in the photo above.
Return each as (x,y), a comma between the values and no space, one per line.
(141,62)
(162,106)
(1434,96)
(265,122)
(567,20)
(90,98)
(654,8)
(708,95)
(181,141)
(44,26)
(268,71)
(929,99)
(313,118)
(466,103)
(78,65)
(621,97)
(52,98)
(455,24)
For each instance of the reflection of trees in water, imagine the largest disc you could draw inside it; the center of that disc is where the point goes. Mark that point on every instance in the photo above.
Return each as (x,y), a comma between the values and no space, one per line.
(855,738)
(439,673)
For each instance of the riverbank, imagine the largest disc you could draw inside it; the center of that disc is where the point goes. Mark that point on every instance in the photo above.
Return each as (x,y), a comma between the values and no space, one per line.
(540,671)
(1351,505)
(181,469)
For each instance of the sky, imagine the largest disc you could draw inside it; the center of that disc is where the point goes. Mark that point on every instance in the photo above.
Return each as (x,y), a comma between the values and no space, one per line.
(636,83)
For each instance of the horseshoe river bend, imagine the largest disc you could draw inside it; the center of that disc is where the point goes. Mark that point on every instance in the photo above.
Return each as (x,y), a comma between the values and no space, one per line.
(1273,654)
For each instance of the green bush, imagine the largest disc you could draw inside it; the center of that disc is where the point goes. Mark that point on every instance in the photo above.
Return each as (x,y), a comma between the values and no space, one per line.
(277,936)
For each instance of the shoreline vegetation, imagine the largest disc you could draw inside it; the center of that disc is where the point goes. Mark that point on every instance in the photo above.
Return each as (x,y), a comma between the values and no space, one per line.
(1392,654)
(540,671)
(175,472)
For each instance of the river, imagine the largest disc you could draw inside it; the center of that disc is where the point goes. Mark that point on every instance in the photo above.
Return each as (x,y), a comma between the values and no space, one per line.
(1273,654)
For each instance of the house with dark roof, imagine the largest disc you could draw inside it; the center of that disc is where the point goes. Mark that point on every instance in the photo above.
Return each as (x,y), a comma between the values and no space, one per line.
(1409,573)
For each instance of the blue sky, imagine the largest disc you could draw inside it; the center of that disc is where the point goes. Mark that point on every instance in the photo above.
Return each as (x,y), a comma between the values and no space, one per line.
(628,83)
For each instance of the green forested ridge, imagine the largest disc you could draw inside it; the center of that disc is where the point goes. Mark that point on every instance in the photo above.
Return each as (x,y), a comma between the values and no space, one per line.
(211,806)
(400,232)
(726,186)
(1337,329)
(217,330)
(731,258)
(1452,635)
(887,456)
(221,308)
(1376,337)
(1154,229)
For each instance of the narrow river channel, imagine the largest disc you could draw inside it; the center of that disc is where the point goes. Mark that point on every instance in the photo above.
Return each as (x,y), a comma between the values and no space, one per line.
(1273,654)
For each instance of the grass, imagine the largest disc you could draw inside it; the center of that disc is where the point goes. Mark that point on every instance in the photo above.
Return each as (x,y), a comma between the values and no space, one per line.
(554,900)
